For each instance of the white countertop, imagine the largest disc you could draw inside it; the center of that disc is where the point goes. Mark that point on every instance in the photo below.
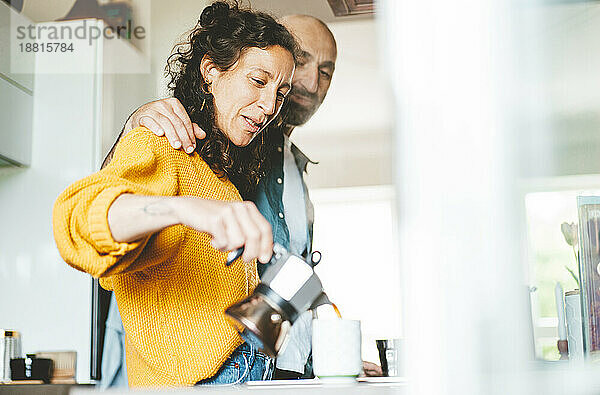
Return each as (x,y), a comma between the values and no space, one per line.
(374,385)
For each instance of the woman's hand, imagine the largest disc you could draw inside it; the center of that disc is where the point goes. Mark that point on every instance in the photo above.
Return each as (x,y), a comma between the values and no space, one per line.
(167,117)
(371,369)
(231,224)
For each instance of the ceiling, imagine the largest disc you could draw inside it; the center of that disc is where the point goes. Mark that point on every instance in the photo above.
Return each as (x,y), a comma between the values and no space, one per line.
(316,8)
(47,10)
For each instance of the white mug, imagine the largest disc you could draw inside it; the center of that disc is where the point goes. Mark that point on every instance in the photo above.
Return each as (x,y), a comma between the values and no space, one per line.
(336,348)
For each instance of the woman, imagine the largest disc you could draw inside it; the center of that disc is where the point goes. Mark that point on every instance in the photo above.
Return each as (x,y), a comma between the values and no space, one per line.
(155,224)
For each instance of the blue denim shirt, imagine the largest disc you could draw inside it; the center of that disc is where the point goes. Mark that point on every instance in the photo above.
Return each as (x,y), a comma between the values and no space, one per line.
(114,369)
(268,198)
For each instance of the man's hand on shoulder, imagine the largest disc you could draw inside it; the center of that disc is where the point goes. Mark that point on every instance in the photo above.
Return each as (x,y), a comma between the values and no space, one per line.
(167,117)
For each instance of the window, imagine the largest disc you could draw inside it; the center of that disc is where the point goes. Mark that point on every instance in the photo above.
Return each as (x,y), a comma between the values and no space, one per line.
(550,256)
(355,230)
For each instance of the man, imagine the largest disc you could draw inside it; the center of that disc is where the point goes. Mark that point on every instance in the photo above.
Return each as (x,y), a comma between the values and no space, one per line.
(282,195)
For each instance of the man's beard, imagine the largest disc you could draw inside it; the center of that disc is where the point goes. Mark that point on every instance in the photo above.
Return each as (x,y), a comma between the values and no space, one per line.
(296,114)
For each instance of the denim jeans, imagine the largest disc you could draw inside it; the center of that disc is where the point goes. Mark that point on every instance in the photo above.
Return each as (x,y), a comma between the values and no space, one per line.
(246,363)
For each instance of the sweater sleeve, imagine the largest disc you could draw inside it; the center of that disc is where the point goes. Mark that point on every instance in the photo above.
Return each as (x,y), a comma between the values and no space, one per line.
(142,164)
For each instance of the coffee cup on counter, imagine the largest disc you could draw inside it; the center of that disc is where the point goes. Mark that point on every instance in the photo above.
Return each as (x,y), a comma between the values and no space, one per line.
(336,349)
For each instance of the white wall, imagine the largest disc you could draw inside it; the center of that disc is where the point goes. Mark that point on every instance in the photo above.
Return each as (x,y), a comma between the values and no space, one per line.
(168,27)
(42,297)
(350,135)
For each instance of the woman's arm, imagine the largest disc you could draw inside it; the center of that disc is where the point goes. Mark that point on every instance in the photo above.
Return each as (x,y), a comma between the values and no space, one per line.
(132,217)
(140,190)
(231,224)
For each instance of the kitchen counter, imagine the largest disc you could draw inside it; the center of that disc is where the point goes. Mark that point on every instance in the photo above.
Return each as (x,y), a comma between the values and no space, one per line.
(41,389)
(366,386)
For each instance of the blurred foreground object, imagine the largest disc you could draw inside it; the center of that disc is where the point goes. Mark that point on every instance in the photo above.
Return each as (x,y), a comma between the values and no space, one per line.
(589,256)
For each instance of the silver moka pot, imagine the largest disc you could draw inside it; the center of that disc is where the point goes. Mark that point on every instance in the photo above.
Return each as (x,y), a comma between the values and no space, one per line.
(288,287)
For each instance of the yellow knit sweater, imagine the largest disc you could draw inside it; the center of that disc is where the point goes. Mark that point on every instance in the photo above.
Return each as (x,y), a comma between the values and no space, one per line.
(172,287)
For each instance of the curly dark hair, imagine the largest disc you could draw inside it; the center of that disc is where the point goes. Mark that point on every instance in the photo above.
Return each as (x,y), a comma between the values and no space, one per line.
(222,33)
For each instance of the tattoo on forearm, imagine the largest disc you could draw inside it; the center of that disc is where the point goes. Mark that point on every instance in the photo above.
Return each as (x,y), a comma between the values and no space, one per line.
(157,208)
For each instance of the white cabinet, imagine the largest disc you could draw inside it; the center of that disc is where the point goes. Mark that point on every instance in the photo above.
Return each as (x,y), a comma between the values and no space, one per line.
(16,95)
(18,69)
(16,115)
(75,119)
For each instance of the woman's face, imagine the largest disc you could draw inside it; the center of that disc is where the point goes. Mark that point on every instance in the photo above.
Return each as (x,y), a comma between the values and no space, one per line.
(249,94)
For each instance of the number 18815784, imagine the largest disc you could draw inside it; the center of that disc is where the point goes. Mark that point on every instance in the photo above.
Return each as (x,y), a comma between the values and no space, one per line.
(46,47)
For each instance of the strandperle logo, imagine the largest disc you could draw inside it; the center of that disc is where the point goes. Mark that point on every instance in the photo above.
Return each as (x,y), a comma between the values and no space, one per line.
(82,45)
(84,31)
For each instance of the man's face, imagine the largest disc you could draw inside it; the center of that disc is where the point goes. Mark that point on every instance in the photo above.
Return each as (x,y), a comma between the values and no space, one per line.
(314,69)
